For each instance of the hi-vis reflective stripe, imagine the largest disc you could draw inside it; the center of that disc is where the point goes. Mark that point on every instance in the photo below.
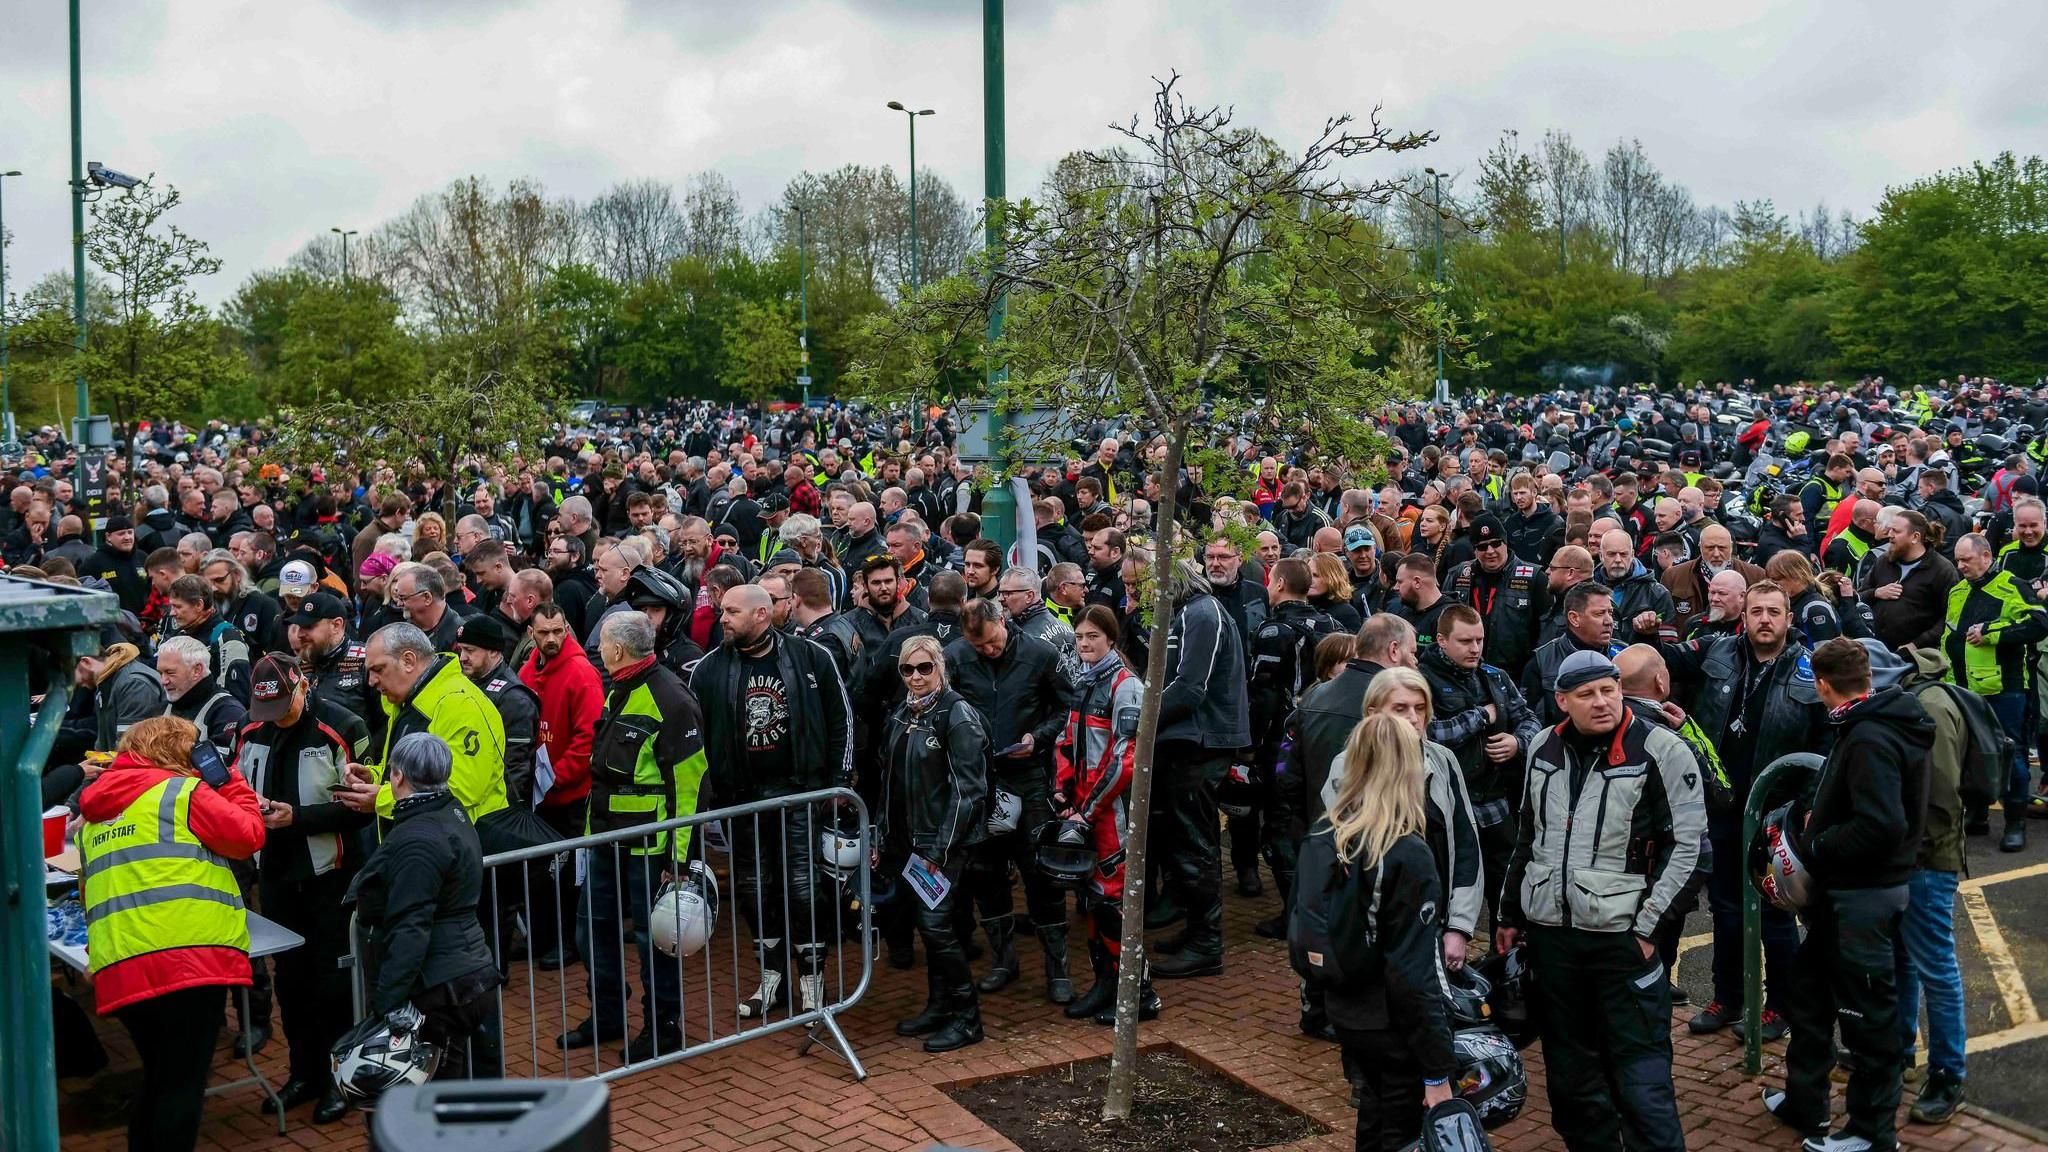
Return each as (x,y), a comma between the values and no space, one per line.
(161,895)
(166,846)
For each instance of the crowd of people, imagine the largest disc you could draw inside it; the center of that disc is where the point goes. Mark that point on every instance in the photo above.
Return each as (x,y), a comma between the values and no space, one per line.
(1510,684)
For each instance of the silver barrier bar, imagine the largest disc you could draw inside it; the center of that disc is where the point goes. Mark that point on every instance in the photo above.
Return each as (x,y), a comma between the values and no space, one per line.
(631,863)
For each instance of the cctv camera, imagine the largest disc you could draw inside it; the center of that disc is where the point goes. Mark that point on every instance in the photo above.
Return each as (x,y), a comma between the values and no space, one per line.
(104,176)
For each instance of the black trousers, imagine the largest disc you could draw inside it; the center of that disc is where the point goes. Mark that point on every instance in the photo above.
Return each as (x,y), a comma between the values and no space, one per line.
(1844,977)
(312,989)
(775,880)
(174,1034)
(988,873)
(949,977)
(1386,1088)
(466,1030)
(1605,1019)
(551,887)
(1184,836)
(1496,844)
(259,971)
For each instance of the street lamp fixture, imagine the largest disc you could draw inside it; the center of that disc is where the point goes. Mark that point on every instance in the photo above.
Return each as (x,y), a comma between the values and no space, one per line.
(897,106)
(1443,385)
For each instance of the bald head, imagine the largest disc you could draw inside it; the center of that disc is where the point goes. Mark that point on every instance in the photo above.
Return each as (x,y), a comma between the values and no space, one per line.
(1617,554)
(1643,672)
(1864,516)
(1717,547)
(745,614)
(1724,595)
(1570,565)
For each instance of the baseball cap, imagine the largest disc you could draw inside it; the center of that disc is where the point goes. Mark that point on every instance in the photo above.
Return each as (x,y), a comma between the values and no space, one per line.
(296,578)
(1584,667)
(317,607)
(1486,530)
(272,680)
(1357,536)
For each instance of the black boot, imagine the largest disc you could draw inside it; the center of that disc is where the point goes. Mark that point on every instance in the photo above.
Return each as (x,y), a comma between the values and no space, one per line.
(1002,964)
(1275,927)
(1059,988)
(1102,993)
(1201,952)
(934,1015)
(2015,838)
(1163,911)
(963,1026)
(1148,1007)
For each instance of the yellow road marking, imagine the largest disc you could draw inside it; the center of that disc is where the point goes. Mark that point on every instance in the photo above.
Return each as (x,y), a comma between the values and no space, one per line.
(2005,970)
(1979,883)
(2019,1035)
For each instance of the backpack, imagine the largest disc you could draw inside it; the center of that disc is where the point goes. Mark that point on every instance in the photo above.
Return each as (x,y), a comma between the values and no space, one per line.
(1987,751)
(1333,928)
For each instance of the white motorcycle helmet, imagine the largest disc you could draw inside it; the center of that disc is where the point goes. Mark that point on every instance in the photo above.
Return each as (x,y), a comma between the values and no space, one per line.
(839,853)
(685,912)
(1005,812)
(381,1053)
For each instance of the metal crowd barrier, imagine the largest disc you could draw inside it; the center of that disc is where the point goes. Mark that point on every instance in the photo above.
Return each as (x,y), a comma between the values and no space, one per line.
(760,843)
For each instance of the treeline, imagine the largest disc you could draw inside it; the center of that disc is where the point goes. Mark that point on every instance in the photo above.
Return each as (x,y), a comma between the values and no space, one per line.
(1569,268)
(645,291)
(1579,268)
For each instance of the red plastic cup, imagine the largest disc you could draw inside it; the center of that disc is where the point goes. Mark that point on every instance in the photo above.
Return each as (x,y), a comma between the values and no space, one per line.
(53,835)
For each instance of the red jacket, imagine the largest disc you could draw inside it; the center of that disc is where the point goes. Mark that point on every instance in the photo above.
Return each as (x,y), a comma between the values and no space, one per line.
(571,701)
(226,820)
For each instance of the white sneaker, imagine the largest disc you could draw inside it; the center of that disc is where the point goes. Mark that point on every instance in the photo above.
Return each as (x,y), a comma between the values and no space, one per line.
(1844,1142)
(756,1007)
(811,993)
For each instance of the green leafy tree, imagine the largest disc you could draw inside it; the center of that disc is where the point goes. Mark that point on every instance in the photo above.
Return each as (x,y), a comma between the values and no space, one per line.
(156,352)
(462,421)
(1764,315)
(343,340)
(1952,276)
(761,353)
(580,309)
(1199,280)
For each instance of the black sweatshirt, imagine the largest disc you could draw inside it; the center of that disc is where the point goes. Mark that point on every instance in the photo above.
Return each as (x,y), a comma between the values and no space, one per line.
(1870,805)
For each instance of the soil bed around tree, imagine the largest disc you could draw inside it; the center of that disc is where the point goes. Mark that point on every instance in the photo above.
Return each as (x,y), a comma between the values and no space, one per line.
(1180,1106)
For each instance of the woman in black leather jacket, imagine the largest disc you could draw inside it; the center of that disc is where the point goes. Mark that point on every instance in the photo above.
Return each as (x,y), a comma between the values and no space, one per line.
(934,806)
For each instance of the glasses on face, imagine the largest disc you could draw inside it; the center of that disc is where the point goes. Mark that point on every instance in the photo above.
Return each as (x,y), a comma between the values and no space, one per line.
(920,668)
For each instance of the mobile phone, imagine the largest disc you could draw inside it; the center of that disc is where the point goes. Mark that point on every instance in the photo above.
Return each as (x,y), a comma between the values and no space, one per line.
(212,768)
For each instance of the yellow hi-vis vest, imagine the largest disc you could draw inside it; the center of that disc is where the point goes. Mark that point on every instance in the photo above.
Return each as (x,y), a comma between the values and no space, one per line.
(150,885)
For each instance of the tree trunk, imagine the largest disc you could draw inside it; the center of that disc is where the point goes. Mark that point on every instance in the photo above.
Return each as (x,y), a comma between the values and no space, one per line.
(1123,1060)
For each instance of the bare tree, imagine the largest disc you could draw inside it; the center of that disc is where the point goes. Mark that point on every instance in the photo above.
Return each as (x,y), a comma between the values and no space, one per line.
(1628,186)
(714,222)
(1511,193)
(1567,184)
(469,262)
(634,230)
(1670,233)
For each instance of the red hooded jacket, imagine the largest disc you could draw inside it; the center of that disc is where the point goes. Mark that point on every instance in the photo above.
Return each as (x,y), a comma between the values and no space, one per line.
(571,703)
(226,820)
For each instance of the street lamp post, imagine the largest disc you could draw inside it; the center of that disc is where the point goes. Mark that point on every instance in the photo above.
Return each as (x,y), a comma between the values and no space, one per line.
(998,505)
(78,233)
(1443,386)
(348,346)
(916,417)
(803,340)
(6,382)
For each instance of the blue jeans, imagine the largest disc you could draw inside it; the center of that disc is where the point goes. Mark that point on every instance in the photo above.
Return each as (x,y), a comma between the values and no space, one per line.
(618,882)
(2011,709)
(1926,958)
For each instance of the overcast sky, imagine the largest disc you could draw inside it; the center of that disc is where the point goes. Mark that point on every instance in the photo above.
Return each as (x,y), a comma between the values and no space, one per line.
(279,118)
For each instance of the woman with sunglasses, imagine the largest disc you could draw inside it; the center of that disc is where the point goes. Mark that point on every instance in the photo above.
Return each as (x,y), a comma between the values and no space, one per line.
(934,806)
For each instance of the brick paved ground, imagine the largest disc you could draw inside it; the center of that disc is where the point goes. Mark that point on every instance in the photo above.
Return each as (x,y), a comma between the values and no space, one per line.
(762,1096)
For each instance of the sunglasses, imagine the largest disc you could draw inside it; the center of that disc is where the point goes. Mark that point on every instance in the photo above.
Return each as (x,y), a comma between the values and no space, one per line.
(921,668)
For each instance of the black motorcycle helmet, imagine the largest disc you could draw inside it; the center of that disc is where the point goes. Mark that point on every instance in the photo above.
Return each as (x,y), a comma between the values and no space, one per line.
(1508,974)
(1066,852)
(1466,992)
(650,587)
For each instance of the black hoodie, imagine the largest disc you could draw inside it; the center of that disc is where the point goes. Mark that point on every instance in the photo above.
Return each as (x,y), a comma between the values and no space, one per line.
(1870,805)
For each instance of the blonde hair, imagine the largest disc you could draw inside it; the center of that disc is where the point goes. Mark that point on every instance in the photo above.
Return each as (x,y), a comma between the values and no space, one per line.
(165,741)
(1381,797)
(1388,681)
(1791,571)
(927,644)
(1326,567)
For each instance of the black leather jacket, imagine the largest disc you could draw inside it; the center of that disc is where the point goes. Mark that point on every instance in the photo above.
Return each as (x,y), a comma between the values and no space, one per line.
(1458,699)
(1539,679)
(821,723)
(1025,690)
(417,897)
(1316,732)
(1711,673)
(935,788)
(1204,701)
(1513,602)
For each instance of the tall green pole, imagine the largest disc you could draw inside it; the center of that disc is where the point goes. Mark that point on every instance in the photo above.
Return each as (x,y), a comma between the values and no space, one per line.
(78,229)
(6,382)
(803,340)
(916,409)
(998,506)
